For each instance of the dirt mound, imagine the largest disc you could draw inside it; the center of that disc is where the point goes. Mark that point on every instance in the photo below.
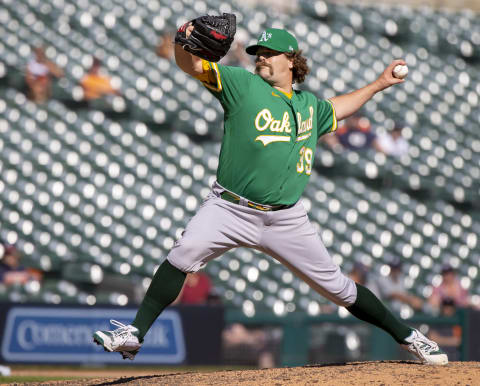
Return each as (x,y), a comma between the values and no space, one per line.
(356,373)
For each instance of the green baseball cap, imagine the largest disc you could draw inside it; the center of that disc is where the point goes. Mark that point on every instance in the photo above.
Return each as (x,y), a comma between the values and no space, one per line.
(275,39)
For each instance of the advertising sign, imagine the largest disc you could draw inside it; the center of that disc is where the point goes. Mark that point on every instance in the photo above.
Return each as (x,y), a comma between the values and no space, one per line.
(64,335)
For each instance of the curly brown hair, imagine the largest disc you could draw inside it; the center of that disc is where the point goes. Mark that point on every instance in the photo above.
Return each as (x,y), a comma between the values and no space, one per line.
(300,67)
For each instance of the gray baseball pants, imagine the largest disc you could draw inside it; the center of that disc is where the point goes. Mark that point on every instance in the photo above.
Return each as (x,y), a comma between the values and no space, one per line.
(287,235)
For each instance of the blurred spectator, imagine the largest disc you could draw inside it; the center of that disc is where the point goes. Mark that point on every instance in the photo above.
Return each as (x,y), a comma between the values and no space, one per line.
(239,343)
(242,344)
(392,288)
(96,84)
(393,143)
(198,289)
(447,336)
(354,133)
(360,274)
(450,288)
(11,271)
(39,75)
(237,56)
(165,46)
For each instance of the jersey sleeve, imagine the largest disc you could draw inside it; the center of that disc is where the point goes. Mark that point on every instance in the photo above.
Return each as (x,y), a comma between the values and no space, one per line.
(226,83)
(326,119)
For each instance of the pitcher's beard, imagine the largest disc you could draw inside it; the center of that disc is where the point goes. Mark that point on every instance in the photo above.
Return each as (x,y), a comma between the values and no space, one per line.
(258,68)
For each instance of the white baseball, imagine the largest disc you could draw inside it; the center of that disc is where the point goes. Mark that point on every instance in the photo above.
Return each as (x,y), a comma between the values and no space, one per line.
(400,71)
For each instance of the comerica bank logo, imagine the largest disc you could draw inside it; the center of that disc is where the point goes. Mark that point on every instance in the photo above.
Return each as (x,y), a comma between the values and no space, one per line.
(31,335)
(64,335)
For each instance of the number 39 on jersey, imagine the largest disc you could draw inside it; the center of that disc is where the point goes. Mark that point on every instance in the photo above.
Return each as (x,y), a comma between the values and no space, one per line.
(305,162)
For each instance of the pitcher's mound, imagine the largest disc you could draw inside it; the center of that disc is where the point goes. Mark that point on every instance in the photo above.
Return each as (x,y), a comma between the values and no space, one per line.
(355,373)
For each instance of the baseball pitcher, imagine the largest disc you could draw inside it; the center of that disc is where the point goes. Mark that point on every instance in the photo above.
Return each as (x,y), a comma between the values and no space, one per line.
(270,136)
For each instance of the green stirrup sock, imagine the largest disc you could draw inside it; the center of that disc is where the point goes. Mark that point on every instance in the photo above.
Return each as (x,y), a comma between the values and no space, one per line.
(368,308)
(163,290)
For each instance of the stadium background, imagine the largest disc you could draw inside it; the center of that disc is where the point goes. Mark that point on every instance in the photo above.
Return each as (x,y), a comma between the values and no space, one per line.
(95,197)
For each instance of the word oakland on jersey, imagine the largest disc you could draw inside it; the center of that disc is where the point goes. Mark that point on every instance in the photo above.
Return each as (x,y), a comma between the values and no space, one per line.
(270,138)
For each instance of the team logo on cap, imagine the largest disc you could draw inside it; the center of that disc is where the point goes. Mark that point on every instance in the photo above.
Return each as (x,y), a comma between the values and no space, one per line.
(265,36)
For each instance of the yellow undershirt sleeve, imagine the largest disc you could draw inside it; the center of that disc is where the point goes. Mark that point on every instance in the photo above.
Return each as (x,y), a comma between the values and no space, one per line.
(334,123)
(211,76)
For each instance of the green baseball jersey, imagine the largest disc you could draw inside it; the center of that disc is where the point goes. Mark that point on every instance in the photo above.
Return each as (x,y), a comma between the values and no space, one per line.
(269,143)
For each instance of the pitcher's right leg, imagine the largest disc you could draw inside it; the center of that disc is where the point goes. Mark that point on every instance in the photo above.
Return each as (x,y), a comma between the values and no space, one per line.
(217,227)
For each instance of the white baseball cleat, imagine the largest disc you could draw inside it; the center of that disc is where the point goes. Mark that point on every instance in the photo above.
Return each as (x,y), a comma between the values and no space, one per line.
(124,340)
(425,349)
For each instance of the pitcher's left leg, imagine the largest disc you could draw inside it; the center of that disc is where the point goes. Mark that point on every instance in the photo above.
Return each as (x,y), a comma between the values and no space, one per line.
(290,238)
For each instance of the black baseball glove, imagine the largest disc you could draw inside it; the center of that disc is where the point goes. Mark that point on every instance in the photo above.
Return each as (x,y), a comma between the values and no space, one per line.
(211,37)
